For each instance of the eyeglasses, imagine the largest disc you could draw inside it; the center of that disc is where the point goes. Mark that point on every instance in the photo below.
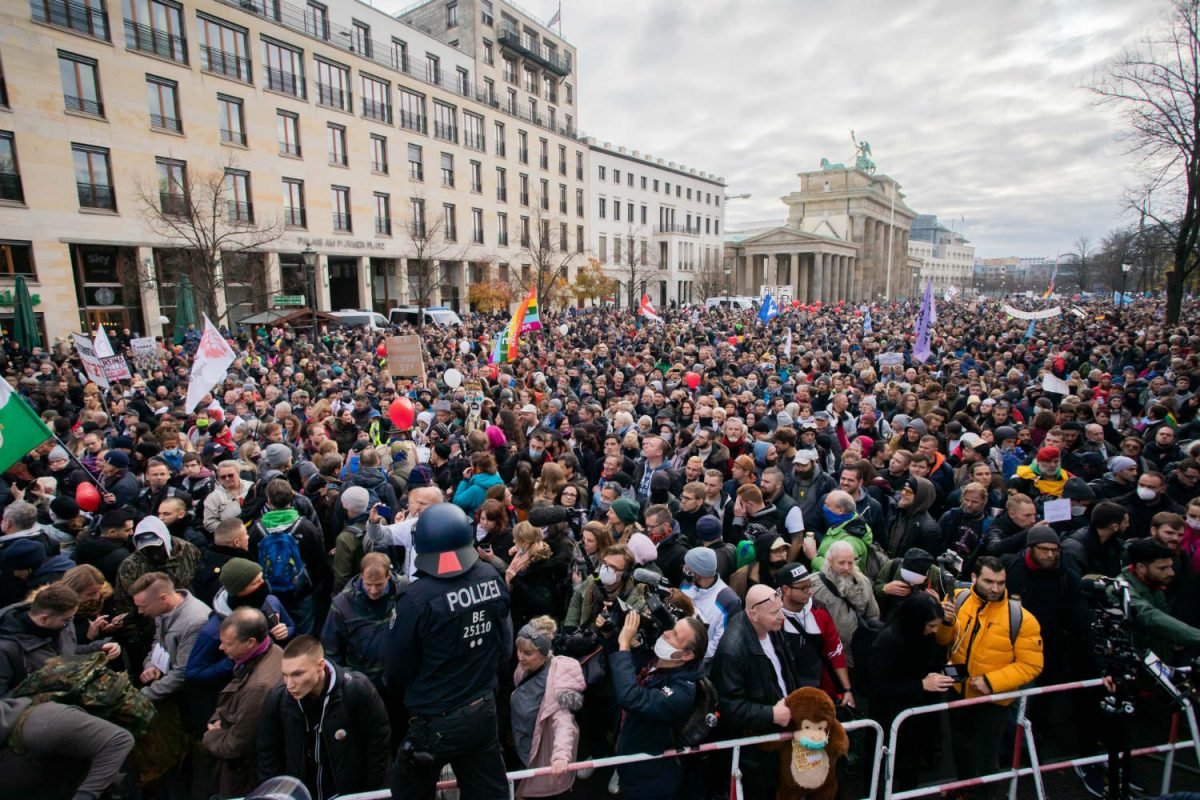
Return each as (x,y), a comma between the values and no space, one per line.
(778,595)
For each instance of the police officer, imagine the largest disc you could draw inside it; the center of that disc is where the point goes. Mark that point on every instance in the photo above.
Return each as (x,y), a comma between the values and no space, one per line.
(452,630)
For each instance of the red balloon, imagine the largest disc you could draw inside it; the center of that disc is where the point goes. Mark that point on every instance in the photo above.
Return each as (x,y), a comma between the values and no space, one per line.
(402,413)
(692,380)
(87,496)
(733,340)
(493,372)
(381,351)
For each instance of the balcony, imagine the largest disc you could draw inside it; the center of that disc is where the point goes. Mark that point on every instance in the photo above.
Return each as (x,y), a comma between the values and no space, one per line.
(146,39)
(295,217)
(286,82)
(233,137)
(667,230)
(475,141)
(173,204)
(510,38)
(341,222)
(89,19)
(289,149)
(379,167)
(381,112)
(84,106)
(240,211)
(10,187)
(161,123)
(412,122)
(332,97)
(383,226)
(222,62)
(95,195)
(445,131)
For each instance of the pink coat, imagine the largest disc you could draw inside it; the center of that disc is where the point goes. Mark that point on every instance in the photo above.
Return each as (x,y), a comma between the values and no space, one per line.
(555,734)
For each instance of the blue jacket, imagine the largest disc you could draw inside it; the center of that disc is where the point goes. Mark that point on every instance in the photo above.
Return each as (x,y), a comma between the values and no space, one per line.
(207,662)
(471,493)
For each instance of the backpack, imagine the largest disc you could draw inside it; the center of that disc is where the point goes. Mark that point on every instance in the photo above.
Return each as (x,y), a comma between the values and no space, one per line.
(89,684)
(1014,613)
(279,556)
(877,558)
(703,717)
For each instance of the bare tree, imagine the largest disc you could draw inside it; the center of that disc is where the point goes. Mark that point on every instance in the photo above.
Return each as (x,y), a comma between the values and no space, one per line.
(1158,89)
(434,255)
(1084,256)
(633,268)
(711,281)
(209,221)
(546,255)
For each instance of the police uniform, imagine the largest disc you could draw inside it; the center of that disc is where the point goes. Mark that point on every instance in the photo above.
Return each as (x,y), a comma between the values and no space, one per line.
(451,632)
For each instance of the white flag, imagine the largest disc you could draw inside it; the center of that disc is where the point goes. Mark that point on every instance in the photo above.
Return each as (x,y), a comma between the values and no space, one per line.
(213,357)
(787,348)
(102,344)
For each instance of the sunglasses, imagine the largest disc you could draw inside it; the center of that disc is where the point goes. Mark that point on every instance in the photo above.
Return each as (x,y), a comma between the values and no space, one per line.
(778,595)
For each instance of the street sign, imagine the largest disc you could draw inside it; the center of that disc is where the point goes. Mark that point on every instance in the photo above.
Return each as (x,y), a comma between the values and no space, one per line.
(282,300)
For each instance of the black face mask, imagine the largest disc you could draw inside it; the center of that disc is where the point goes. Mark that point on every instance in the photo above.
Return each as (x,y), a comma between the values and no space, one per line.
(255,599)
(155,553)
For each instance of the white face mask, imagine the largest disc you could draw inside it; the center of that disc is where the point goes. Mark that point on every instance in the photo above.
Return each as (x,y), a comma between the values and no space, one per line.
(1077,510)
(663,650)
(1146,494)
(480,533)
(608,575)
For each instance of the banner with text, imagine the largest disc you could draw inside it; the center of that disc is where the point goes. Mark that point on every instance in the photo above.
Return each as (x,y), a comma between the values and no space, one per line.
(91,362)
(145,354)
(405,357)
(1045,313)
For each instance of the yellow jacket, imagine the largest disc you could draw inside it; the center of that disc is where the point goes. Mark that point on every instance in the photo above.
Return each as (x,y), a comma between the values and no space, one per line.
(980,639)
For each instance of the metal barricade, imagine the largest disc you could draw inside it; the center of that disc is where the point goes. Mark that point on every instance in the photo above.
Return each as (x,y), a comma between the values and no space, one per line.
(1024,736)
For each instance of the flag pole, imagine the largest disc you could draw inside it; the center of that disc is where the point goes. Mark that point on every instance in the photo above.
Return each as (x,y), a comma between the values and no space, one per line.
(75,458)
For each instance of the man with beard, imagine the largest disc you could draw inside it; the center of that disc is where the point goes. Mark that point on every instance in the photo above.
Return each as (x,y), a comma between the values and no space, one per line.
(1120,479)
(810,483)
(1183,595)
(180,523)
(155,550)
(1149,574)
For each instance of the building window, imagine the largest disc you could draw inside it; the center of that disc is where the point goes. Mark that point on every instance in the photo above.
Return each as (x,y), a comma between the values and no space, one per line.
(477,225)
(237,196)
(617,177)
(360,38)
(449,222)
(156,27)
(448,170)
(417,209)
(11,188)
(510,70)
(340,196)
(562,159)
(89,17)
(316,21)
(416,166)
(464,82)
(523,147)
(163,96)
(400,55)
(579,202)
(16,258)
(616,210)
(523,190)
(502,229)
(578,165)
(294,215)
(656,184)
(603,210)
(512,101)
(500,139)
(233,122)
(603,249)
(502,184)
(570,94)
(563,240)
(562,198)
(93,177)
(543,154)
(433,69)
(476,177)
(544,186)
(489,91)
(531,81)
(445,126)
(629,212)
(489,56)
(376,99)
(602,172)
(81,84)
(284,68)
(333,85)
(336,138)
(383,214)
(525,232)
(172,187)
(379,154)
(451,15)
(224,49)
(616,249)
(578,238)
(643,212)
(473,132)
(287,127)
(412,111)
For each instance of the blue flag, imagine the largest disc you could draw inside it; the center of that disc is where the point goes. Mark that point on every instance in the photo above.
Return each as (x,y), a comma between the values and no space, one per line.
(921,349)
(768,310)
(1029,332)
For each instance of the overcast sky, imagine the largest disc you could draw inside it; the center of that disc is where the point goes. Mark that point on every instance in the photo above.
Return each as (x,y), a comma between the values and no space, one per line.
(978,109)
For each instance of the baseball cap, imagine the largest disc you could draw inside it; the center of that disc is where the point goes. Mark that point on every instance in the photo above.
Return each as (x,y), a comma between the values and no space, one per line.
(804,457)
(792,573)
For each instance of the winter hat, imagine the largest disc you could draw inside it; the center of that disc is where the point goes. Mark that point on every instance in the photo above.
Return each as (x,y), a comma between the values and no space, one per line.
(421,475)
(442,449)
(702,561)
(64,508)
(917,423)
(24,553)
(1041,534)
(783,419)
(917,560)
(1077,489)
(1049,454)
(709,528)
(1118,463)
(277,455)
(116,458)
(626,510)
(644,551)
(58,453)
(355,500)
(237,574)
(1005,432)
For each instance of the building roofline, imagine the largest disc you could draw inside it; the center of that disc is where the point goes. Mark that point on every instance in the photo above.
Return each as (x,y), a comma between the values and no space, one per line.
(650,161)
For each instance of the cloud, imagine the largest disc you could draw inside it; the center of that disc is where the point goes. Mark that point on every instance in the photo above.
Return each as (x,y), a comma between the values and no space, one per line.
(979,110)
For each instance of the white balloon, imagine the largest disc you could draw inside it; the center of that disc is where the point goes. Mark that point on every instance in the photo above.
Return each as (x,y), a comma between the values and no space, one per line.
(164,320)
(564,329)
(464,345)
(453,378)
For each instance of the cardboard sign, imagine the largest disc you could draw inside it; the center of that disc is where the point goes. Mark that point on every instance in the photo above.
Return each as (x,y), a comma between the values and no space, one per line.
(1057,510)
(405,357)
(115,368)
(145,354)
(890,359)
(91,362)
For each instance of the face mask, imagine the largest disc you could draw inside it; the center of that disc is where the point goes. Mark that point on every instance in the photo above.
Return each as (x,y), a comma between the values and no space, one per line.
(608,575)
(173,452)
(1146,494)
(480,533)
(834,519)
(1194,524)
(535,453)
(201,423)
(805,742)
(1078,510)
(663,650)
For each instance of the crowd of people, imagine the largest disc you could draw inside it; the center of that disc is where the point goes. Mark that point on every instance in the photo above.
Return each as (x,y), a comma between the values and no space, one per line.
(570,555)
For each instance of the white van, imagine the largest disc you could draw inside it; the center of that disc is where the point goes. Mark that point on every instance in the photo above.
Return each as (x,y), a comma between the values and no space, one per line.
(361,319)
(434,315)
(731,302)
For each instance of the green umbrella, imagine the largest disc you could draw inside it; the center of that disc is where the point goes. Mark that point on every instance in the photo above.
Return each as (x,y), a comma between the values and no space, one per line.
(25,330)
(185,308)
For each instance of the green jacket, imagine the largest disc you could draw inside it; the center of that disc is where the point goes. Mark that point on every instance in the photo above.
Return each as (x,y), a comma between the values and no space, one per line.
(856,532)
(1153,625)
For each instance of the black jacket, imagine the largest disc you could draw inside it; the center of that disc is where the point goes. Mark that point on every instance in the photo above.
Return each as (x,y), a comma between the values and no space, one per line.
(1141,512)
(355,633)
(348,723)
(901,656)
(103,553)
(1056,599)
(1087,555)
(745,679)
(1004,537)
(207,581)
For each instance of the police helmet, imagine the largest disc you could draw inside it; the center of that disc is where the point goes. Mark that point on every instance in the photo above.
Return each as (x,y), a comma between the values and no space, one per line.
(444,540)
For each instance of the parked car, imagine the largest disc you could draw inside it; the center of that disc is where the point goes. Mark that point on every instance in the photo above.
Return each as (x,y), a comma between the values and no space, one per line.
(361,319)
(434,315)
(731,302)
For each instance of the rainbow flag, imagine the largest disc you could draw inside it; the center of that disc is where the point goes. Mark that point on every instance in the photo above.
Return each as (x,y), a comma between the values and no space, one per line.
(533,320)
(508,341)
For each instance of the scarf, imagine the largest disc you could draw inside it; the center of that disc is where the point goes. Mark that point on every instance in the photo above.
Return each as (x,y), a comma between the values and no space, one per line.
(283,518)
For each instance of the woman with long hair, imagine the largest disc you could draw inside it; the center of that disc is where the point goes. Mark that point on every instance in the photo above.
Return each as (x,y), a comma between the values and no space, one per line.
(550,483)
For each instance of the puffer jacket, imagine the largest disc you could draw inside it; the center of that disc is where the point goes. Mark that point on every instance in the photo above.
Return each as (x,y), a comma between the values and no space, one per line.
(556,733)
(470,493)
(980,639)
(854,532)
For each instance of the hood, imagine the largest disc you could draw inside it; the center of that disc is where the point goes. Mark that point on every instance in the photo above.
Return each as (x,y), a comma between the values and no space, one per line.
(925,495)
(279,520)
(55,565)
(157,527)
(370,477)
(912,614)
(12,622)
(856,526)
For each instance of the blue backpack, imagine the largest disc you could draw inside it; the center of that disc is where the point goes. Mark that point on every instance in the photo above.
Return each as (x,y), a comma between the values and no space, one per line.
(279,556)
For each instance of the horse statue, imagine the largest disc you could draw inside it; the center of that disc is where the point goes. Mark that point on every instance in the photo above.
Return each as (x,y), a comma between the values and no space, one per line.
(826,166)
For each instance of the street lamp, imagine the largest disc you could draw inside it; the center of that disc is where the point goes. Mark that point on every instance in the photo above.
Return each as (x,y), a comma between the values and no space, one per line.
(1125,270)
(310,266)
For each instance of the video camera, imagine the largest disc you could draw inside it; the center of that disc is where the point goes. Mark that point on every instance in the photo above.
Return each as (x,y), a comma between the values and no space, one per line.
(658,617)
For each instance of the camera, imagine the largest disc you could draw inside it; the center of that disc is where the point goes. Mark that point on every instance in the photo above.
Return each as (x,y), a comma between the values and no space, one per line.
(950,564)
(659,615)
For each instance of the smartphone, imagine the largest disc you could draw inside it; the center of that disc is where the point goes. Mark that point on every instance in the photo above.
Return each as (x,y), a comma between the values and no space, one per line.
(956,671)
(385,512)
(273,620)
